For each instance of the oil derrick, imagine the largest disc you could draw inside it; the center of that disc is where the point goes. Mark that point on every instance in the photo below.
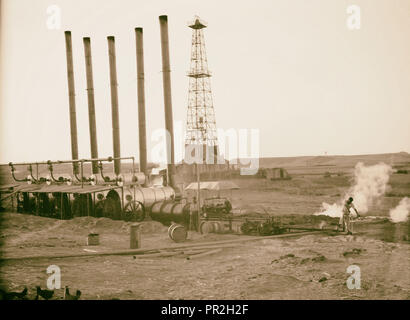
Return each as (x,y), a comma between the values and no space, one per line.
(201,137)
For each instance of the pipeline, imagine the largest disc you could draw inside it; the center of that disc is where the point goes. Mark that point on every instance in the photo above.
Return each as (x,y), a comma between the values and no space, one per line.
(171,211)
(137,178)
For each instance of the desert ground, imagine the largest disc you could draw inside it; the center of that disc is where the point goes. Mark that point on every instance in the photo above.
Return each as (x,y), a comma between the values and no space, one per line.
(309,266)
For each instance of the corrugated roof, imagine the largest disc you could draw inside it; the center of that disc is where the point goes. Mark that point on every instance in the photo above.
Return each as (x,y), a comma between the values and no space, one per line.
(6,187)
(44,188)
(75,188)
(27,187)
(57,188)
(97,188)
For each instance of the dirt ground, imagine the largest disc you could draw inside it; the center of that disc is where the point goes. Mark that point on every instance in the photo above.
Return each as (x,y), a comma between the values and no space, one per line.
(304,267)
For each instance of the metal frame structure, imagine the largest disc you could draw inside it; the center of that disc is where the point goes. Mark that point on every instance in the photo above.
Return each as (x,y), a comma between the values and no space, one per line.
(201,123)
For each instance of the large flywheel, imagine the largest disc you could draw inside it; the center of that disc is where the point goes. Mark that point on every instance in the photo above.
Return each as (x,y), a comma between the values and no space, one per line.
(134,211)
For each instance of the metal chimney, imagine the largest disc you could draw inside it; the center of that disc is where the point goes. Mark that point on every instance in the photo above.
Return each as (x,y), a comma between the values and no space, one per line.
(71,97)
(166,78)
(91,104)
(141,100)
(114,105)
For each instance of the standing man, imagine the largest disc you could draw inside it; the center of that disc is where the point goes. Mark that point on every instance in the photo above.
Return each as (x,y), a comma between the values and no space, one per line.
(345,219)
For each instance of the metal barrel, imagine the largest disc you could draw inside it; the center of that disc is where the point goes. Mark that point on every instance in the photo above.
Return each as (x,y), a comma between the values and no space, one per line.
(177,233)
(210,227)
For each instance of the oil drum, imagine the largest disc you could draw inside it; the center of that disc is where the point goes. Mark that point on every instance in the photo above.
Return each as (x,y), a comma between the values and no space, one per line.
(177,233)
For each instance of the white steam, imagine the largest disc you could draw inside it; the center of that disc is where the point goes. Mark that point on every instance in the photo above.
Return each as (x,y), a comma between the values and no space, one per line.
(331,210)
(401,212)
(371,183)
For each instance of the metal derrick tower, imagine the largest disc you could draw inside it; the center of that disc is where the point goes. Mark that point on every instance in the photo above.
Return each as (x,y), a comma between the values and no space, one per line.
(201,125)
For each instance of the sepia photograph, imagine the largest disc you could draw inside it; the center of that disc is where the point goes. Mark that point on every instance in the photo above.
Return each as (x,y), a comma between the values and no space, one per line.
(204,154)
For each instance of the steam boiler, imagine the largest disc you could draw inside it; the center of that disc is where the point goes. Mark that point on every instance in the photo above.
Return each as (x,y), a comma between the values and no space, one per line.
(83,187)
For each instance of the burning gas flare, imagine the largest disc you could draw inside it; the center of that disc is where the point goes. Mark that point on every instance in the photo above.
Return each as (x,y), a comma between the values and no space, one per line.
(401,212)
(371,183)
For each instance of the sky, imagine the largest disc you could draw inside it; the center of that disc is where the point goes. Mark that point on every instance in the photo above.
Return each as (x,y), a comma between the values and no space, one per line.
(290,68)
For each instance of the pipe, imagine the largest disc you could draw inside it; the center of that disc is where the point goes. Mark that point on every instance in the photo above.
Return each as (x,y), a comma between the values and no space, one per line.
(166,78)
(141,101)
(109,159)
(168,211)
(91,103)
(71,97)
(114,105)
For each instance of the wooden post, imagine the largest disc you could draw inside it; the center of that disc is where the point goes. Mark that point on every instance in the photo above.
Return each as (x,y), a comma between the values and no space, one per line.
(82,175)
(199,197)
(135,236)
(88,204)
(38,204)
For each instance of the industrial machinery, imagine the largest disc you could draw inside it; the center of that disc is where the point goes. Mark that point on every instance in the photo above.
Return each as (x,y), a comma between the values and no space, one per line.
(99,194)
(216,207)
(64,197)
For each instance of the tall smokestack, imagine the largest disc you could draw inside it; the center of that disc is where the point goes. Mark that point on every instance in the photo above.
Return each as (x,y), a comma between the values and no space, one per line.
(141,100)
(91,104)
(114,105)
(166,78)
(71,97)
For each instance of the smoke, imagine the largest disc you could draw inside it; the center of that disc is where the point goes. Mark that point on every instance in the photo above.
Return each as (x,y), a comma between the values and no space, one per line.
(401,212)
(370,184)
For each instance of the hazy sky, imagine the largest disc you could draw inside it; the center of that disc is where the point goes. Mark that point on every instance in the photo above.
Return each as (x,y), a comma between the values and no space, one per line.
(291,68)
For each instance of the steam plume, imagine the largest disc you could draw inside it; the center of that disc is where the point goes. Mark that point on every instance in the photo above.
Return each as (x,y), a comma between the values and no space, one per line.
(371,183)
(401,212)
